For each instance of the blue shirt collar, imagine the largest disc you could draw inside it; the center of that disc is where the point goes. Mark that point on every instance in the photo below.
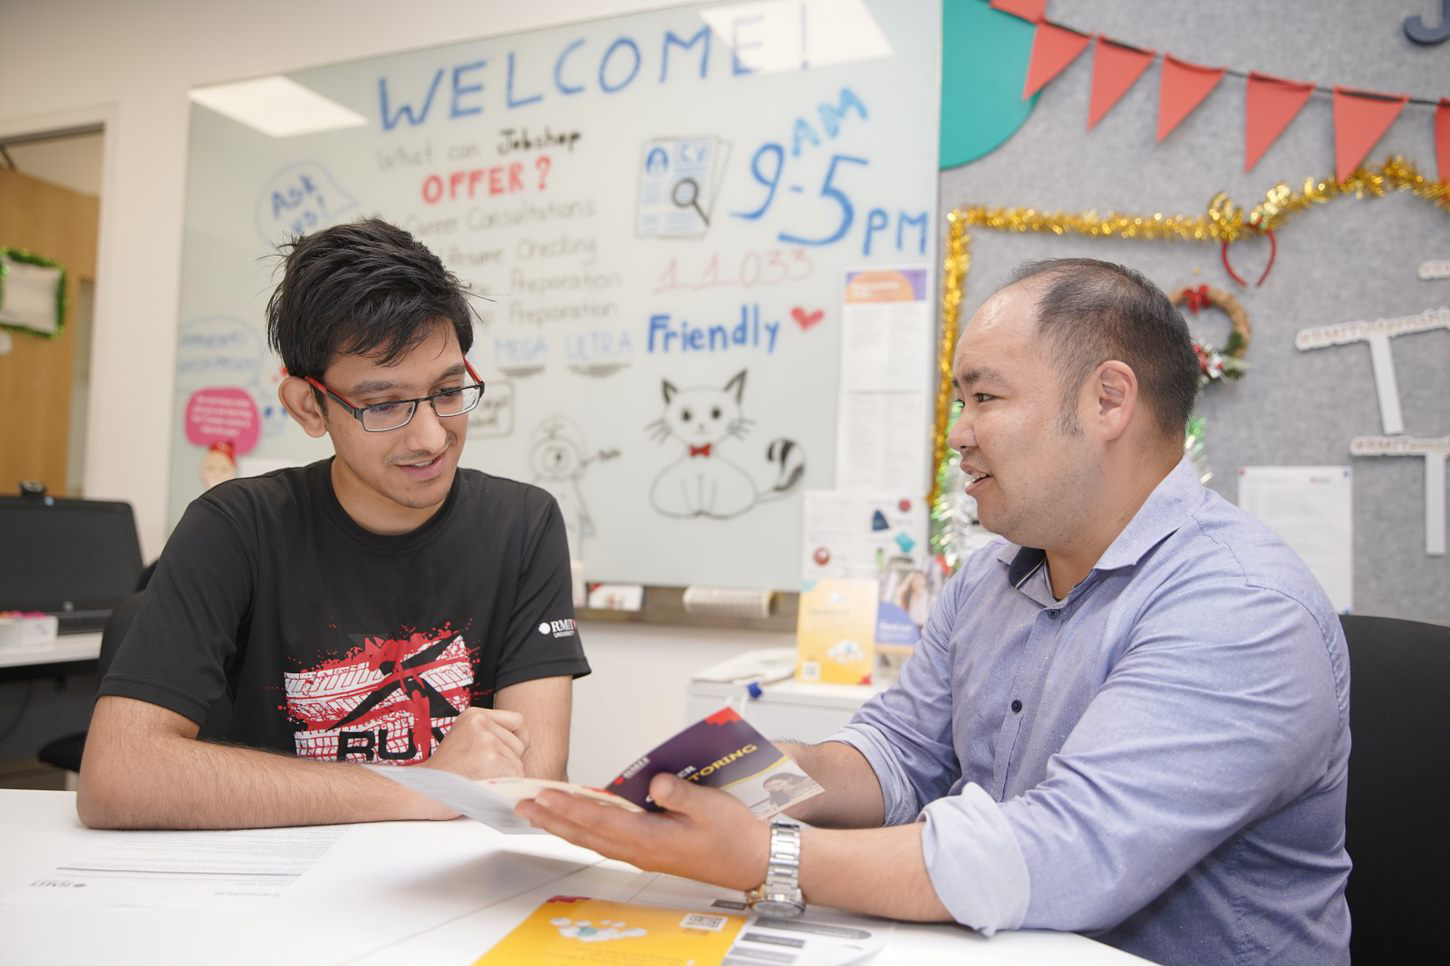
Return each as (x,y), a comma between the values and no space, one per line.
(1160,516)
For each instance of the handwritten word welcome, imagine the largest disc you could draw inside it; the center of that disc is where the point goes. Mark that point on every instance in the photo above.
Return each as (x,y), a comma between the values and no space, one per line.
(573,69)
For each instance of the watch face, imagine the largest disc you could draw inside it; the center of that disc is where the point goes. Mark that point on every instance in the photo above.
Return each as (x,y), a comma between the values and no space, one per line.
(776,909)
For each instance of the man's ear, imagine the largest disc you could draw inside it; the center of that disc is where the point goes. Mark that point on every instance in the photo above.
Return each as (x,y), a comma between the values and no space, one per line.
(1115,398)
(300,400)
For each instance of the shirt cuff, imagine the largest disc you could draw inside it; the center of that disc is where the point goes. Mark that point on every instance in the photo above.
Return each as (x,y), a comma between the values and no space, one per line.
(974,862)
(897,792)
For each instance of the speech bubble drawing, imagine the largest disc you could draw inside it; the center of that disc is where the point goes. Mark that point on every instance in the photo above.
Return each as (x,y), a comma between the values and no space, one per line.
(226,413)
(298,200)
(218,350)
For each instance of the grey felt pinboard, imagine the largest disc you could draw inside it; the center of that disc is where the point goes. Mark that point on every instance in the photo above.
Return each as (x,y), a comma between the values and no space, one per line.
(1347,260)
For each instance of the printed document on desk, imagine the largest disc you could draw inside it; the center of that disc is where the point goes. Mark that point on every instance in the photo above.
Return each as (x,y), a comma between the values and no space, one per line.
(240,869)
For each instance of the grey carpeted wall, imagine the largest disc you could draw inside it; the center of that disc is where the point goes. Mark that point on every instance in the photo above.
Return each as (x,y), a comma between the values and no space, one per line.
(1347,260)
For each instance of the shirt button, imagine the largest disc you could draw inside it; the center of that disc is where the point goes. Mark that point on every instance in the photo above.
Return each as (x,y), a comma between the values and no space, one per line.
(1016,706)
(1052,614)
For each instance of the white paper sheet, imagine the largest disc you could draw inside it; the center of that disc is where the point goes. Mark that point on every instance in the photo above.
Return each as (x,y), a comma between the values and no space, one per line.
(886,330)
(882,442)
(468,797)
(1311,508)
(838,538)
(240,869)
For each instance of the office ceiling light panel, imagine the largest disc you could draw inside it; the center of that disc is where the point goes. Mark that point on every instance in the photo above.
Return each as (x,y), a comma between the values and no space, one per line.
(277,106)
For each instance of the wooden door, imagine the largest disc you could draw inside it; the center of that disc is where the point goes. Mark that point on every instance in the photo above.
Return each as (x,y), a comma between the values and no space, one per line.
(36,374)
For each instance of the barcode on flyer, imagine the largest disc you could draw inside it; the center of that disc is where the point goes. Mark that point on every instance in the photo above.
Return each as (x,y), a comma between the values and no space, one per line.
(698,920)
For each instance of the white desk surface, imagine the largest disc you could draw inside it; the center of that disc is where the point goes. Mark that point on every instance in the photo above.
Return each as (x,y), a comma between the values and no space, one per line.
(67,647)
(394,892)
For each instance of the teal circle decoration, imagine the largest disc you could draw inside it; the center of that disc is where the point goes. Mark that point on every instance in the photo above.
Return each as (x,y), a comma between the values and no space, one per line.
(984,65)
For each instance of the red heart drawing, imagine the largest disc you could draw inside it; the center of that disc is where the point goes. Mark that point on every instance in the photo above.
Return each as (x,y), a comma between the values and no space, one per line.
(806,319)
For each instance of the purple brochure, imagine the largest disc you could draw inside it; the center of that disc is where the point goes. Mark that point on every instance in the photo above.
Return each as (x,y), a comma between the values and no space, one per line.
(722,751)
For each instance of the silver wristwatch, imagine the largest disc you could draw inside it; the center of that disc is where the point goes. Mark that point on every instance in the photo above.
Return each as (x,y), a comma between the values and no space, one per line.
(779,896)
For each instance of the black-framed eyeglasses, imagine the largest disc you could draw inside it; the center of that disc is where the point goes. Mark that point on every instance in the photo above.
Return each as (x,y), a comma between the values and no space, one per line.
(397,413)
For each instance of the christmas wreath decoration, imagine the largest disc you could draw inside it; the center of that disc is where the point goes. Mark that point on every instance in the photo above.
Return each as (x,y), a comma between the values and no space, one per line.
(1218,363)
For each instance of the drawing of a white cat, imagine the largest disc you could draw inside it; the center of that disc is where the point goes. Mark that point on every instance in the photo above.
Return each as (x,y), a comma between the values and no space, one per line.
(703,482)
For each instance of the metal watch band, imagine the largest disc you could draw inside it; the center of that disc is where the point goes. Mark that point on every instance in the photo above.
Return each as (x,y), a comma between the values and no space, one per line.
(780,894)
(783,870)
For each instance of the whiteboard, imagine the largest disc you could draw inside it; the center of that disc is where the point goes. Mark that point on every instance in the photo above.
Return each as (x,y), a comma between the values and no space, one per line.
(657,212)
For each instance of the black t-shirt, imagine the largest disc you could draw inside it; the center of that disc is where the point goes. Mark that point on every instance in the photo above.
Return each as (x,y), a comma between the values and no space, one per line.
(275,621)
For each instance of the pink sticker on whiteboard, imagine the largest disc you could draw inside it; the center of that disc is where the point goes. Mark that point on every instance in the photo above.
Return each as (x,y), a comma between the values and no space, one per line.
(223,414)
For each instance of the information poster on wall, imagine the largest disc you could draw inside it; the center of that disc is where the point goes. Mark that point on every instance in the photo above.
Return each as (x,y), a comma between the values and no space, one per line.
(1311,509)
(656,213)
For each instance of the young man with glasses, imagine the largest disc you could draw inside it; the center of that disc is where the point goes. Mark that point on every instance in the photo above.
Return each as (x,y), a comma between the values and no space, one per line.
(380,606)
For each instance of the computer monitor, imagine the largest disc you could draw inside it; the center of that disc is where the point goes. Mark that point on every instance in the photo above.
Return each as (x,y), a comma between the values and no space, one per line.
(73,558)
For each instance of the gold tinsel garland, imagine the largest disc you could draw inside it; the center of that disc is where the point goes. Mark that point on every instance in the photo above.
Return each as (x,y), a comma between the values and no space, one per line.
(1223,223)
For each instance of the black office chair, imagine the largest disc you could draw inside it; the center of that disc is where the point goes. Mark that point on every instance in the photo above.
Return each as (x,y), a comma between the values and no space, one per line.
(65,752)
(1397,823)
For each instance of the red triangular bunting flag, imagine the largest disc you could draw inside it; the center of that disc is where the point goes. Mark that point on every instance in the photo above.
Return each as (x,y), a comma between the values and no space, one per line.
(1053,48)
(1360,120)
(1442,138)
(1271,105)
(1182,88)
(1115,68)
(1030,10)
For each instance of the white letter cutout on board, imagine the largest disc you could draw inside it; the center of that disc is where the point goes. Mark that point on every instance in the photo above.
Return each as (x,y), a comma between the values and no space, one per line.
(1377,332)
(1435,452)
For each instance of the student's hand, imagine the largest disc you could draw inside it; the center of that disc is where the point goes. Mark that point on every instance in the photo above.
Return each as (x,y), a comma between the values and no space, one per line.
(483,743)
(703,833)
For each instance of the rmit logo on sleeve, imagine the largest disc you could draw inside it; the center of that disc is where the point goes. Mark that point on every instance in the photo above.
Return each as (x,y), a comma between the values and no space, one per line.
(563,628)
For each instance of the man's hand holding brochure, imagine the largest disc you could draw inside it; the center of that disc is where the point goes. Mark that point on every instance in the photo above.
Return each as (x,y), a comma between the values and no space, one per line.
(721,751)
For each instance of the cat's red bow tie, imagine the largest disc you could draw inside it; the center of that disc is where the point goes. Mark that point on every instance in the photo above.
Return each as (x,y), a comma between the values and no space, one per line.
(700,450)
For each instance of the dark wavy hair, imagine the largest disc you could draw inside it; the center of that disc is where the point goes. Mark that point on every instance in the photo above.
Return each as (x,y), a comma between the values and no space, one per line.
(1091,311)
(364,288)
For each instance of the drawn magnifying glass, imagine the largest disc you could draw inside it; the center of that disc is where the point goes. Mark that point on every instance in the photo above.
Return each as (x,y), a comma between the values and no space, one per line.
(686,194)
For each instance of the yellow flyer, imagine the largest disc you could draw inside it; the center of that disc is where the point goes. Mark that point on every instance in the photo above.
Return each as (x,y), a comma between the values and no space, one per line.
(836,631)
(569,930)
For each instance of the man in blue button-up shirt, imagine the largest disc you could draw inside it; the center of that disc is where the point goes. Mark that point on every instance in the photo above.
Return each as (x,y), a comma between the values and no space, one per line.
(1129,717)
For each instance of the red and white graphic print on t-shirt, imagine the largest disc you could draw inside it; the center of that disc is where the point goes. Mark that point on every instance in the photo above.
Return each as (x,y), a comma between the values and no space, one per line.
(390,701)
